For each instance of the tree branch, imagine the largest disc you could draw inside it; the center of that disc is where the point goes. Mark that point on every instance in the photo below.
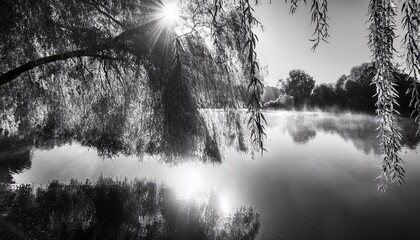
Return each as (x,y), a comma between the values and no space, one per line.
(106,14)
(112,44)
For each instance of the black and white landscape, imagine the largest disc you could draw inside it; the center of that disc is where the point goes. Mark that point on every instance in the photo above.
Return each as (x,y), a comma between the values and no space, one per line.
(220,119)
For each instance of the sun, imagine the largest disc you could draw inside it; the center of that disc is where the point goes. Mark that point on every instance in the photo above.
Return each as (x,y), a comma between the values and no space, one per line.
(170,13)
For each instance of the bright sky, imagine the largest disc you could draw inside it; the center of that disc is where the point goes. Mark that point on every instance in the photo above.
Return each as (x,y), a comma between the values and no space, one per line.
(284,44)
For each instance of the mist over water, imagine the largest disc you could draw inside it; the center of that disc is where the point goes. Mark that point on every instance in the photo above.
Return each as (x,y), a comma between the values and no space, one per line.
(317,180)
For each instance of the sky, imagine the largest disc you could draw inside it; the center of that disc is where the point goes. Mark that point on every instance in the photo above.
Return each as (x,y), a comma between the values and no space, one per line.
(284,44)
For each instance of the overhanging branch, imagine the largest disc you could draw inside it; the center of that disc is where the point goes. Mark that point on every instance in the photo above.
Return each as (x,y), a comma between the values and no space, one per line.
(114,43)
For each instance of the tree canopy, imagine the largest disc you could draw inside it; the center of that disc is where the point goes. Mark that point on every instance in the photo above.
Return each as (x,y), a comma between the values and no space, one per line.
(120,63)
(299,85)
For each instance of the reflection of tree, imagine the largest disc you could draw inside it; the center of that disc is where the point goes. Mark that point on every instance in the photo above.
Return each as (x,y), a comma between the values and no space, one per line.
(302,134)
(358,129)
(15,156)
(117,210)
(112,132)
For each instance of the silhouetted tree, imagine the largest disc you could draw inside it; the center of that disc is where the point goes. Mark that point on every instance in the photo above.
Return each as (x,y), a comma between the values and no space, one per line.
(299,85)
(356,93)
(359,89)
(270,94)
(323,96)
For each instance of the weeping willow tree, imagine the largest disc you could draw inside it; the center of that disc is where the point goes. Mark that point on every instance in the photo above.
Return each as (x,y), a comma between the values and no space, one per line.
(126,70)
(126,58)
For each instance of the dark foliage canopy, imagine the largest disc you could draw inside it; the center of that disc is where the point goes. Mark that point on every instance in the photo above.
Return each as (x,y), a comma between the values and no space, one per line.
(299,85)
(119,67)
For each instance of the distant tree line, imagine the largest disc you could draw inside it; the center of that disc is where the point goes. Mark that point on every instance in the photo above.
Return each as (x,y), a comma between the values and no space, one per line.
(353,92)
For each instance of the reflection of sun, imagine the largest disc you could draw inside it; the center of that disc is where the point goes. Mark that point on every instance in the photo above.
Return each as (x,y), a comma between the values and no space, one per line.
(191,184)
(224,204)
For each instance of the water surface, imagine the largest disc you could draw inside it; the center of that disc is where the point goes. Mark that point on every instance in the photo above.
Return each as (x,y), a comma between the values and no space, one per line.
(317,180)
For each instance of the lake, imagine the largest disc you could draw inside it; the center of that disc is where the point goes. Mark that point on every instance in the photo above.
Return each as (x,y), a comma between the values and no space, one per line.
(317,180)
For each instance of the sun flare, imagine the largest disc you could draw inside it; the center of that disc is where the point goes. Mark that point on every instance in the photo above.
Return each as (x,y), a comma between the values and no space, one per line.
(170,13)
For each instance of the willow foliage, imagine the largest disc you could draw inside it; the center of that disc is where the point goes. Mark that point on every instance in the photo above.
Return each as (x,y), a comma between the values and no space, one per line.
(116,72)
(411,23)
(103,51)
(381,39)
(382,14)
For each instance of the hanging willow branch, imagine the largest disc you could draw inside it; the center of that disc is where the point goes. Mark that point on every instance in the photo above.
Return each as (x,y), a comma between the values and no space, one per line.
(381,38)
(319,19)
(294,5)
(257,120)
(411,22)
(247,21)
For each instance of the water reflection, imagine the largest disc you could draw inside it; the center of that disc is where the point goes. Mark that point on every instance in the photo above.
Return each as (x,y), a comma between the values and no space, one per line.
(358,129)
(15,156)
(324,184)
(111,209)
(192,182)
(303,127)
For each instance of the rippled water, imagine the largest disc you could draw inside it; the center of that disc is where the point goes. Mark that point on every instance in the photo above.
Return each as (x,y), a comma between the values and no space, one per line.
(317,180)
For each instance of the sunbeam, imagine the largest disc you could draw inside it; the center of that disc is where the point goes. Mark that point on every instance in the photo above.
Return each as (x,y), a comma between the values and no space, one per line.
(170,14)
(166,17)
